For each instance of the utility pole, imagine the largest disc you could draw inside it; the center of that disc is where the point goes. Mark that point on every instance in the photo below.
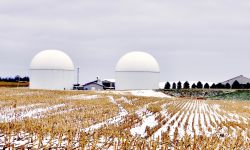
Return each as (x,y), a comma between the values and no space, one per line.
(78,71)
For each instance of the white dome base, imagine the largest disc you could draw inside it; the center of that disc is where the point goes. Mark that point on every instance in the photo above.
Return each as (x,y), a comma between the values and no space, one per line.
(137,80)
(51,79)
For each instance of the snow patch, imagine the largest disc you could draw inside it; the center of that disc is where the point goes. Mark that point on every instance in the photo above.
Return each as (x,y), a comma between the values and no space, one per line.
(141,130)
(149,93)
(13,114)
(145,93)
(114,120)
(82,97)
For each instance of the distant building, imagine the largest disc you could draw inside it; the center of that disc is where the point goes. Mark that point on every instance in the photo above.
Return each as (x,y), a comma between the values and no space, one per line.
(241,79)
(107,84)
(94,85)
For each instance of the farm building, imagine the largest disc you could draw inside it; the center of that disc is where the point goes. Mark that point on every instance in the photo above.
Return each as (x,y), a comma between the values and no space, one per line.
(53,70)
(108,84)
(94,85)
(100,85)
(137,71)
(241,79)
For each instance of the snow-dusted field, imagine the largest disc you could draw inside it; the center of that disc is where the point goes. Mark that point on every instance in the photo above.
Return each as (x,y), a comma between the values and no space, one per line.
(119,120)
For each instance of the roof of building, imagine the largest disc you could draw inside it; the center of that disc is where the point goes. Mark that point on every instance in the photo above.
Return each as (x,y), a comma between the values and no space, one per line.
(241,79)
(108,80)
(93,82)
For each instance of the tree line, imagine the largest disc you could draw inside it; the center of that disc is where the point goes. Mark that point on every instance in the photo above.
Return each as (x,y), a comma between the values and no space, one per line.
(199,85)
(17,78)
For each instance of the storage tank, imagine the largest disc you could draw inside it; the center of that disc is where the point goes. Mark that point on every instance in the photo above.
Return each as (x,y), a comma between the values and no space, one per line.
(137,71)
(52,70)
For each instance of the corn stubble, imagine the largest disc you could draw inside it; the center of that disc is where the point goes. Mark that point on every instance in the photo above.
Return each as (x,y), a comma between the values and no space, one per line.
(63,128)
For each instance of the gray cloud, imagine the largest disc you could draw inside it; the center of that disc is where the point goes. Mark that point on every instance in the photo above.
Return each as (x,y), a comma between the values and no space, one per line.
(192,40)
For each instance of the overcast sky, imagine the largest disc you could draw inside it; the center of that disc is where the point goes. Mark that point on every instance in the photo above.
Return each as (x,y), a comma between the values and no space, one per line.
(192,40)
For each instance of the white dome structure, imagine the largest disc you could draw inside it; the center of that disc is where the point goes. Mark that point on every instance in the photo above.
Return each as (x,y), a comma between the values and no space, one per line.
(137,71)
(53,70)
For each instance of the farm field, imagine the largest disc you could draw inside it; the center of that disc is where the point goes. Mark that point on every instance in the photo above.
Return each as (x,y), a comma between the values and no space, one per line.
(14,84)
(40,119)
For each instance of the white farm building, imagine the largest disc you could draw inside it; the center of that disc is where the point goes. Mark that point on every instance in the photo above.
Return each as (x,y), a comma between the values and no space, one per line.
(137,71)
(53,70)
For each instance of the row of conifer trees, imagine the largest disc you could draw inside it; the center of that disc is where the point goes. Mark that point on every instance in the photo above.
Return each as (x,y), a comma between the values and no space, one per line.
(199,85)
(14,79)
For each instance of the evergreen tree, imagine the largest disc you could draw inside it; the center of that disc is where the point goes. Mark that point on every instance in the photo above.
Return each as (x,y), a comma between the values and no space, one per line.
(179,86)
(244,86)
(199,85)
(206,86)
(228,86)
(167,86)
(247,86)
(17,78)
(186,85)
(174,86)
(236,85)
(194,86)
(220,86)
(213,86)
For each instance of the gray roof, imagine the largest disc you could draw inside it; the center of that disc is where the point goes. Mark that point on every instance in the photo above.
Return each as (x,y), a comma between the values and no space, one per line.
(241,79)
(93,82)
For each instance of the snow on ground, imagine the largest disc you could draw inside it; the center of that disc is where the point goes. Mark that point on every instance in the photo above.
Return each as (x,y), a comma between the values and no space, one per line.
(190,127)
(112,92)
(114,120)
(149,93)
(196,123)
(127,100)
(172,128)
(26,112)
(82,97)
(8,109)
(188,117)
(147,121)
(181,128)
(146,93)
(165,127)
(199,118)
(122,111)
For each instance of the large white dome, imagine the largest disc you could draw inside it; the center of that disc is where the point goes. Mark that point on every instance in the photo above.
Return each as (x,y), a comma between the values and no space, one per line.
(137,62)
(137,71)
(52,60)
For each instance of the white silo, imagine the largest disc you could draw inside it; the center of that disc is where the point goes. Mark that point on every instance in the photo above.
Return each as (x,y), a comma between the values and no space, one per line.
(137,71)
(53,70)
